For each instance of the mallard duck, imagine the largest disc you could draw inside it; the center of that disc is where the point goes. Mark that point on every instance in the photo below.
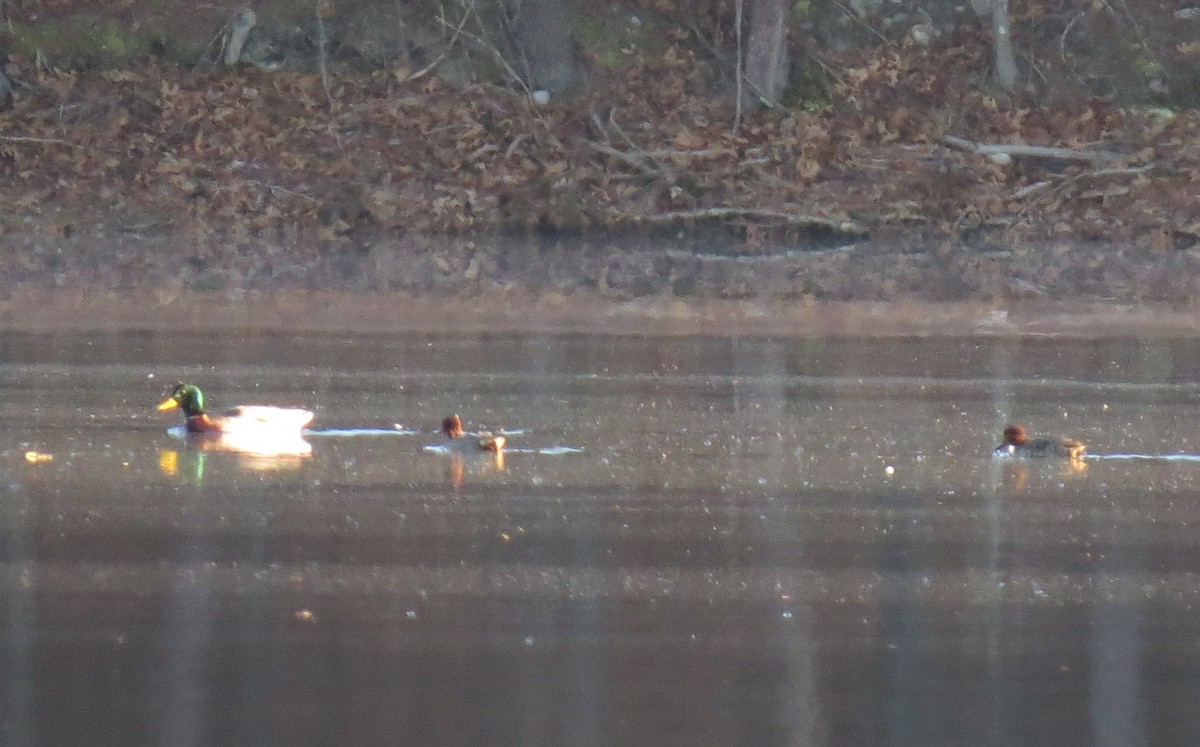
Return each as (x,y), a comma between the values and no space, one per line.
(452,427)
(258,420)
(1018,443)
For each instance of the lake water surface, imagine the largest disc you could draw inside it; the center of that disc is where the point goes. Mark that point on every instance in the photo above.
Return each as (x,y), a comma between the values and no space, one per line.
(692,541)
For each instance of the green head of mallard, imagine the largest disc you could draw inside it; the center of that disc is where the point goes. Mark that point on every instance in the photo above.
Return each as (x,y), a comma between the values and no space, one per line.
(186,397)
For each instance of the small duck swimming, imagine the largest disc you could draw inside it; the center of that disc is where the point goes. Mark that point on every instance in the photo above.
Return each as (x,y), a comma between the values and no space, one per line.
(256,420)
(452,427)
(1018,443)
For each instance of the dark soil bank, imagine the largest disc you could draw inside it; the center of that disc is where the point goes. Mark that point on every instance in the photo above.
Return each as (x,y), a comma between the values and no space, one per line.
(166,185)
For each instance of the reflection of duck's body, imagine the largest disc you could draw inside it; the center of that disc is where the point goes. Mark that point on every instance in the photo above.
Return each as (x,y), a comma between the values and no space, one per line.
(246,421)
(460,440)
(1018,443)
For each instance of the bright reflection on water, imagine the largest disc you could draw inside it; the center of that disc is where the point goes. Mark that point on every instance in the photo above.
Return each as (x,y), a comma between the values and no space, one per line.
(690,542)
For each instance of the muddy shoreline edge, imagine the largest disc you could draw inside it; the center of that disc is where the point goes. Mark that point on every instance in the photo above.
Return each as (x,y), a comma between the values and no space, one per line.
(39,310)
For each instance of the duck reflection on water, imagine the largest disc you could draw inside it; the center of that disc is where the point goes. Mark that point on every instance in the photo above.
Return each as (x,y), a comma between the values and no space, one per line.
(463,464)
(190,463)
(1017,443)
(1017,474)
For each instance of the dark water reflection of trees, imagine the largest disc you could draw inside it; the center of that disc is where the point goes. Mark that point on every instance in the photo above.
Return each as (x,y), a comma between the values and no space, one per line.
(692,540)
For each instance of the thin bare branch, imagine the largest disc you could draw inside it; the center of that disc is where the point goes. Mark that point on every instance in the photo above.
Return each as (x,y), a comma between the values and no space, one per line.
(620,155)
(1031,151)
(737,118)
(449,46)
(323,9)
(703,153)
(277,188)
(1086,175)
(38,140)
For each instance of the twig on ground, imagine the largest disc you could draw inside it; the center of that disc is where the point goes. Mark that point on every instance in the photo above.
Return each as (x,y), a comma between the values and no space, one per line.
(1029,189)
(285,190)
(1129,171)
(701,153)
(38,140)
(1031,151)
(1094,174)
(599,127)
(139,227)
(669,175)
(634,156)
(516,143)
(620,155)
(481,150)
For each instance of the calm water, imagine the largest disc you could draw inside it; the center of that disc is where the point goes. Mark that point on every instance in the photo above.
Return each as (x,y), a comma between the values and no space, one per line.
(692,542)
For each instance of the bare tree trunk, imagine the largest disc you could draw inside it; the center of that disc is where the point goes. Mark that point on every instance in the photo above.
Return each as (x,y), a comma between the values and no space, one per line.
(767,51)
(1006,63)
(6,90)
(240,26)
(542,30)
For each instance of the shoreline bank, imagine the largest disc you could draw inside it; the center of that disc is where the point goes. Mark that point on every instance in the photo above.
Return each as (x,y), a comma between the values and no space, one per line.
(36,310)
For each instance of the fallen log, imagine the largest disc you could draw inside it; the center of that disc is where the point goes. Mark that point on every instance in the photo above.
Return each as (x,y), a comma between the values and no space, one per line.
(776,216)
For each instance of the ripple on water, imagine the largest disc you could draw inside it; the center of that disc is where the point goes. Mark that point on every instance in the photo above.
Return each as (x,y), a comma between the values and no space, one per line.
(397,430)
(1149,457)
